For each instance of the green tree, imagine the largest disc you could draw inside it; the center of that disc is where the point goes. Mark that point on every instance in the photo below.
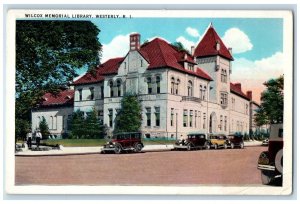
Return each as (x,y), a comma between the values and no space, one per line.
(48,54)
(77,124)
(179,46)
(93,128)
(271,110)
(129,118)
(44,128)
(22,126)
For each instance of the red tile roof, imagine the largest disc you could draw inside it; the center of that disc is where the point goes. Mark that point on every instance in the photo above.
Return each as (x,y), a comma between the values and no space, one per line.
(207,46)
(109,67)
(65,97)
(162,54)
(235,89)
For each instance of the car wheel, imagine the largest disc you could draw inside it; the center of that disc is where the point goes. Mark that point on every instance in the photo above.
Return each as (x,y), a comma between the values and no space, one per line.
(232,146)
(266,177)
(225,146)
(242,145)
(118,149)
(189,147)
(207,146)
(138,148)
(215,146)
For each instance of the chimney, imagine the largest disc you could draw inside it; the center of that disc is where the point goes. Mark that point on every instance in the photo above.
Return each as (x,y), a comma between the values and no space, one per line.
(218,45)
(134,41)
(249,95)
(230,50)
(238,86)
(192,50)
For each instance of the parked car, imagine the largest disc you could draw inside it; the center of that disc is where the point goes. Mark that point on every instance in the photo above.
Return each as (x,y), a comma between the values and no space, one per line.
(236,141)
(265,142)
(193,141)
(219,141)
(128,141)
(271,162)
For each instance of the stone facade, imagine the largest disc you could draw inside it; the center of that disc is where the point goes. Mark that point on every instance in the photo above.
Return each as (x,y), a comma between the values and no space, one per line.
(193,95)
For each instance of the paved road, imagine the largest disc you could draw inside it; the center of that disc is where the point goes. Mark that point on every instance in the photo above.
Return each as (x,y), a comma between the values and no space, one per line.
(227,167)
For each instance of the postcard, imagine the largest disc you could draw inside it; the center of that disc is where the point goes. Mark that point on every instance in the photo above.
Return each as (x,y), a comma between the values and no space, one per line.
(163,102)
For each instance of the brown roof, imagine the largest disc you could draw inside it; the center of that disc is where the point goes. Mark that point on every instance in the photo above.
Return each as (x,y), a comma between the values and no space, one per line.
(207,46)
(235,89)
(65,97)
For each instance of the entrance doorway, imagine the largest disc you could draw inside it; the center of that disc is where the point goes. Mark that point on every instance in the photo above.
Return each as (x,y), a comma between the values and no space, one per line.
(212,122)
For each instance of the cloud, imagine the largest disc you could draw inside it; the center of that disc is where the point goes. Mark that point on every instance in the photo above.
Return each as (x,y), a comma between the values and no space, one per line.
(254,73)
(186,43)
(192,32)
(237,40)
(117,47)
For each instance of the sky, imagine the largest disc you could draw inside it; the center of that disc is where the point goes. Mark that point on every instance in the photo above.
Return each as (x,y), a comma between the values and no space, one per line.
(257,44)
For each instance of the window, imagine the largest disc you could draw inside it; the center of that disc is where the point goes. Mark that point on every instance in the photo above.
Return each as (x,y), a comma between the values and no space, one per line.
(172,117)
(233,103)
(185,118)
(149,85)
(148,116)
(92,93)
(157,116)
(190,88)
(191,118)
(111,86)
(195,118)
(141,63)
(199,116)
(157,84)
(221,122)
(102,92)
(124,65)
(223,98)
(63,122)
(177,86)
(204,118)
(119,87)
(247,109)
(80,94)
(172,85)
(190,67)
(202,92)
(225,123)
(110,117)
(69,122)
(224,75)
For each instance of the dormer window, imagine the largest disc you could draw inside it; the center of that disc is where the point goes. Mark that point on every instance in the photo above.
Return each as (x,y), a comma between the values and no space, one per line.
(191,67)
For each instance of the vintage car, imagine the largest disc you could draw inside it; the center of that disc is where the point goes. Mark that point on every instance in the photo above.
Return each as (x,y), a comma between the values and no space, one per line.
(236,140)
(219,141)
(121,142)
(193,141)
(270,162)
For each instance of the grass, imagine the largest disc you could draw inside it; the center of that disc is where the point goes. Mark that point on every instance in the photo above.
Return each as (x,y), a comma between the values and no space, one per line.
(98,142)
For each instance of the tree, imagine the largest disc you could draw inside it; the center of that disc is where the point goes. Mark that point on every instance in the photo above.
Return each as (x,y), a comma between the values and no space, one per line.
(44,128)
(271,110)
(93,128)
(48,54)
(129,118)
(77,124)
(179,46)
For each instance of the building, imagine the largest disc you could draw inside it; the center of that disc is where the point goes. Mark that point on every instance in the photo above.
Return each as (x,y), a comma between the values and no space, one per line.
(180,91)
(56,109)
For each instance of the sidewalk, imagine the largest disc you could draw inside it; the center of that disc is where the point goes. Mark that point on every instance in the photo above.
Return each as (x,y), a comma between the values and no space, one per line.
(96,150)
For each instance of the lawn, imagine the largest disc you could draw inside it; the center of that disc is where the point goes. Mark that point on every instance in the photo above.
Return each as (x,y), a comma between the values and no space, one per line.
(98,142)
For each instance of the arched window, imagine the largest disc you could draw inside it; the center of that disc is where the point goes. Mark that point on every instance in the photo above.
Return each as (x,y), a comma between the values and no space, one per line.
(111,86)
(172,85)
(119,87)
(149,85)
(177,87)
(157,84)
(190,88)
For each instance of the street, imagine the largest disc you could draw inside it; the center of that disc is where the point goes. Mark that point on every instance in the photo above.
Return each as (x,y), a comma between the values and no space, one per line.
(203,167)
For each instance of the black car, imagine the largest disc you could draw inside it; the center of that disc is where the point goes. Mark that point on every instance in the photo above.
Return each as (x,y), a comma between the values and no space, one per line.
(193,141)
(236,141)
